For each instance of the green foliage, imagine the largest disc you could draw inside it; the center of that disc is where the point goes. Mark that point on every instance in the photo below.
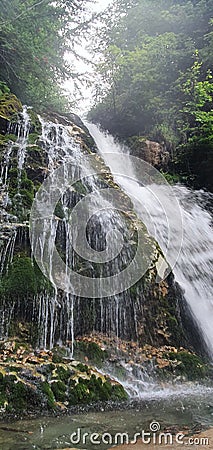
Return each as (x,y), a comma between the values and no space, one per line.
(197,108)
(172,178)
(155,72)
(34,38)
(194,161)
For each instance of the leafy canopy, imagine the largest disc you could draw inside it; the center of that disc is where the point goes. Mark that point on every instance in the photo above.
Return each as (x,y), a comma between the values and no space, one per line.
(34,37)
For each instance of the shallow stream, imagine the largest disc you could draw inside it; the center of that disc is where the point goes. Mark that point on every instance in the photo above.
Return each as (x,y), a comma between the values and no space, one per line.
(193,408)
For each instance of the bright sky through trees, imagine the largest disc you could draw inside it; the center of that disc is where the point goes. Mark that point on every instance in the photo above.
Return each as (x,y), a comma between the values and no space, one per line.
(85,103)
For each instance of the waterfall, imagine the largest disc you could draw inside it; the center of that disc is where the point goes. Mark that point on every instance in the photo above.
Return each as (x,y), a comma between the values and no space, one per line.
(193,269)
(61,315)
(23,133)
(8,222)
(57,315)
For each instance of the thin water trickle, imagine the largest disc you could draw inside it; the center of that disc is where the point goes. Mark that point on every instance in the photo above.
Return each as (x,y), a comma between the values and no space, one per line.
(8,222)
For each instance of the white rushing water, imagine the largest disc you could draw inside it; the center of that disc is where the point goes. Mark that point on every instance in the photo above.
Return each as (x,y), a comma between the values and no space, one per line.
(193,268)
(58,314)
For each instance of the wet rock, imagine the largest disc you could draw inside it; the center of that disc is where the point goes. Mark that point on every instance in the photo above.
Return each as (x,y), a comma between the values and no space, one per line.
(30,381)
(10,107)
(152,152)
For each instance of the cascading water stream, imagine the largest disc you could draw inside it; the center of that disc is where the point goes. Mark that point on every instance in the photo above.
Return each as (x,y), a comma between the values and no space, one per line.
(193,268)
(59,312)
(60,315)
(8,222)
(23,133)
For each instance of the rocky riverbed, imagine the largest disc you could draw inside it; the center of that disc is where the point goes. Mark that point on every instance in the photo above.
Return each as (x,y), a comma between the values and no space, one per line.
(35,382)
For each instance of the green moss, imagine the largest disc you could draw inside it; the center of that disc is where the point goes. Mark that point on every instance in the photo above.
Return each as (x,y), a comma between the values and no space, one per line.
(4,89)
(80,188)
(190,365)
(118,392)
(46,389)
(9,106)
(59,391)
(4,139)
(59,353)
(63,374)
(27,198)
(23,198)
(91,350)
(3,399)
(47,370)
(32,138)
(35,123)
(13,369)
(174,328)
(18,395)
(59,212)
(78,394)
(23,279)
(83,368)
(95,389)
(14,392)
(11,137)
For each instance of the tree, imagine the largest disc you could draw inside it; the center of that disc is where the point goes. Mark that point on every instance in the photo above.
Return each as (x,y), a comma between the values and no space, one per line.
(34,36)
(198,107)
(156,60)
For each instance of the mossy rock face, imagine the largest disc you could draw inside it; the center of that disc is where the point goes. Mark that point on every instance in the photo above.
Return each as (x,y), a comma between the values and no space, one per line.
(47,391)
(5,139)
(10,106)
(35,125)
(189,365)
(94,389)
(17,396)
(31,381)
(21,192)
(158,324)
(33,138)
(59,390)
(23,280)
(59,353)
(91,351)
